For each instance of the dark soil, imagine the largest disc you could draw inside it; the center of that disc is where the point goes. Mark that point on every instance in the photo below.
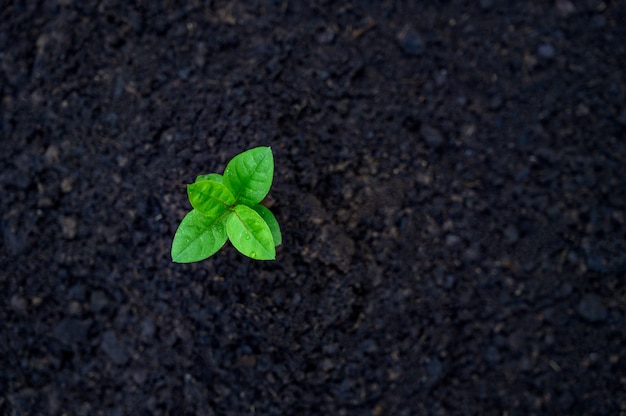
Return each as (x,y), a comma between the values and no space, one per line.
(450,182)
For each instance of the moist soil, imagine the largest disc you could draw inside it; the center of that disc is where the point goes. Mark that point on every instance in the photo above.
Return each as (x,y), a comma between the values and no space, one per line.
(450,184)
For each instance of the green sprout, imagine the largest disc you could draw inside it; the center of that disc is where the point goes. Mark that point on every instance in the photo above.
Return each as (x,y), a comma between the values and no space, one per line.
(227,207)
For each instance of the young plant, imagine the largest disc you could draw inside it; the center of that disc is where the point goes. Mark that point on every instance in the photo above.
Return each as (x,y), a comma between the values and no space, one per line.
(227,207)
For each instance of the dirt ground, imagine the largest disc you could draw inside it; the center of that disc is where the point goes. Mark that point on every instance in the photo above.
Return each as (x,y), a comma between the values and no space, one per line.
(450,183)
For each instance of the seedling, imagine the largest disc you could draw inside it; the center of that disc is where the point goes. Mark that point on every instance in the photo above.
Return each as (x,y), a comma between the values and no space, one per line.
(227,207)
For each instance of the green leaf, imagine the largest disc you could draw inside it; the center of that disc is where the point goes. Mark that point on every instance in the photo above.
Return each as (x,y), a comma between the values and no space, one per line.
(249,175)
(249,233)
(215,177)
(226,206)
(209,197)
(271,222)
(198,237)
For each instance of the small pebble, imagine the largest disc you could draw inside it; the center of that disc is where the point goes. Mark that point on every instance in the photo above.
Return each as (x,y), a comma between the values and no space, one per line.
(68,227)
(591,309)
(434,369)
(71,331)
(52,154)
(546,51)
(98,301)
(147,330)
(511,235)
(495,103)
(74,308)
(18,303)
(431,136)
(67,184)
(452,240)
(113,348)
(598,21)
(565,7)
(492,354)
(326,35)
(411,41)
(486,4)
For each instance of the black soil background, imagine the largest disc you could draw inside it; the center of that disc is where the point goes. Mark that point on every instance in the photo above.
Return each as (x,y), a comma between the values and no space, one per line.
(450,182)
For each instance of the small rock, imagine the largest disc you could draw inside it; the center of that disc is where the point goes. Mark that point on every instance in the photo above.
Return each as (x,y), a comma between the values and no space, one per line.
(453,240)
(98,301)
(596,262)
(492,354)
(472,253)
(369,346)
(546,51)
(511,235)
(327,365)
(334,247)
(113,348)
(486,4)
(330,349)
(147,330)
(525,363)
(67,184)
(15,241)
(444,280)
(431,136)
(434,369)
(516,340)
(71,331)
(598,21)
(326,35)
(248,360)
(411,41)
(77,292)
(564,7)
(495,103)
(591,309)
(74,308)
(582,110)
(52,154)
(68,227)
(565,290)
(18,304)
(139,375)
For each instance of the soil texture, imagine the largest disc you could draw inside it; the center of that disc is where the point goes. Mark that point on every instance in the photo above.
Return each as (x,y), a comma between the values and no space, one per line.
(450,182)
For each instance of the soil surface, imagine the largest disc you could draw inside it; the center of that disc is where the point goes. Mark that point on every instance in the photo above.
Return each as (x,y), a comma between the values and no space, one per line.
(450,182)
